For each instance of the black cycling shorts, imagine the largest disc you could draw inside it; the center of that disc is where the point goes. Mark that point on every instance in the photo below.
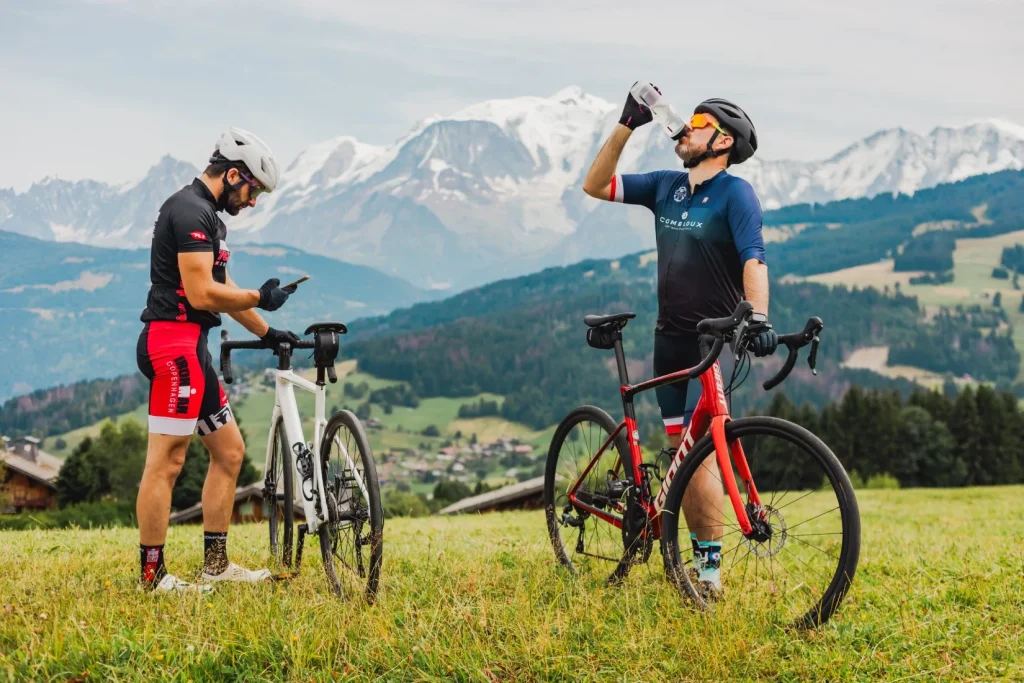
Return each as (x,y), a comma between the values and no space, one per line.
(676,401)
(185,395)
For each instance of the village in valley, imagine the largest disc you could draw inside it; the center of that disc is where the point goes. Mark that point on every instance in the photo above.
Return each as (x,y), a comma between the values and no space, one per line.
(417,444)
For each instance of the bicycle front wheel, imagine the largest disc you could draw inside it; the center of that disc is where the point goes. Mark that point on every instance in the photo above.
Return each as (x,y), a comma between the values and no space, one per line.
(352,541)
(798,562)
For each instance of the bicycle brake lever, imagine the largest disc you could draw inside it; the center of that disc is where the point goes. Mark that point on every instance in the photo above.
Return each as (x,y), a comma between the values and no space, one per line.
(812,360)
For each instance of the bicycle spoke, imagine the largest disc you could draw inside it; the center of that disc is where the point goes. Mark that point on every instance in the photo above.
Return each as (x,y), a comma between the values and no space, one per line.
(827,483)
(824,552)
(811,519)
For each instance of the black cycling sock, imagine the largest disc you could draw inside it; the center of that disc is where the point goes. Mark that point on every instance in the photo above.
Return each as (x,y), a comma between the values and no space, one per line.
(151,561)
(215,551)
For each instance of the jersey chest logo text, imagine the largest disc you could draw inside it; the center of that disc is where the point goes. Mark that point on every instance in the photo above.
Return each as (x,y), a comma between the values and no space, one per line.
(680,225)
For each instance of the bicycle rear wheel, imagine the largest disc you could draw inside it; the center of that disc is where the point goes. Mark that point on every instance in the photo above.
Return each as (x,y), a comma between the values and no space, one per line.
(352,541)
(279,498)
(582,540)
(798,564)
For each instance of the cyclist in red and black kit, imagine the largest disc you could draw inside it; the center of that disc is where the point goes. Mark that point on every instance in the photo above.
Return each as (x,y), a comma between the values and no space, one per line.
(190,289)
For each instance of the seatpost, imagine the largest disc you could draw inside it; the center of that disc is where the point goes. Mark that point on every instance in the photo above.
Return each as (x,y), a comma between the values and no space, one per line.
(620,360)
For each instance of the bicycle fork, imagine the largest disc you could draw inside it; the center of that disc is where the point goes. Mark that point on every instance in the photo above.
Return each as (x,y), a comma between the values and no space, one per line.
(727,455)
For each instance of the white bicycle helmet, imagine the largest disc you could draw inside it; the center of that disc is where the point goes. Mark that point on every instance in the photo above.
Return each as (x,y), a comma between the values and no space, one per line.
(241,145)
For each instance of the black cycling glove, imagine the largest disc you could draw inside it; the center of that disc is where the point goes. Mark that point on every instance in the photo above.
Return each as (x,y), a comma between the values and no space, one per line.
(764,341)
(274,338)
(635,114)
(273,296)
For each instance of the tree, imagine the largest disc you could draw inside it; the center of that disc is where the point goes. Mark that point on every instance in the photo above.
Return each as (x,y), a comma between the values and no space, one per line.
(928,454)
(60,444)
(431,430)
(997,300)
(78,478)
(448,491)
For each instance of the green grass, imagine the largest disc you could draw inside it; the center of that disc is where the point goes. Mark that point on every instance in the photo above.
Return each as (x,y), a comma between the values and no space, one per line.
(939,596)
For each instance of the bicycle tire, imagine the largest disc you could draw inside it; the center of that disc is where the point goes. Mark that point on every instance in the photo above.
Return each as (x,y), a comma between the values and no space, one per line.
(846,568)
(556,509)
(336,495)
(280,513)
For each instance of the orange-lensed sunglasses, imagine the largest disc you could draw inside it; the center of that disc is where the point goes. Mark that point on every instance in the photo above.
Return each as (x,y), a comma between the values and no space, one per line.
(702,121)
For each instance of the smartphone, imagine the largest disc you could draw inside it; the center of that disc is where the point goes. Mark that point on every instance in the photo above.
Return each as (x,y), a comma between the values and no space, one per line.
(297,282)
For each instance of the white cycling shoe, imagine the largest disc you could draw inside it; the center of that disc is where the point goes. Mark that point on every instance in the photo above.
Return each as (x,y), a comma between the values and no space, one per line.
(238,574)
(172,584)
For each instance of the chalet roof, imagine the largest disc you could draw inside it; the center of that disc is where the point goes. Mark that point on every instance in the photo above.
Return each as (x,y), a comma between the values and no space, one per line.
(44,470)
(506,494)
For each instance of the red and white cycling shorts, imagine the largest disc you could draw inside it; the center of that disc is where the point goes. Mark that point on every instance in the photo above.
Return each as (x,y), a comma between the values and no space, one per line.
(185,395)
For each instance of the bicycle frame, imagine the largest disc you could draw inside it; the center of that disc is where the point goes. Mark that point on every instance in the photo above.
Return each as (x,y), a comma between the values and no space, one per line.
(286,407)
(711,412)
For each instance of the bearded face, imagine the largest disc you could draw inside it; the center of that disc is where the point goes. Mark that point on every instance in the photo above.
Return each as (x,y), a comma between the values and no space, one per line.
(235,202)
(688,148)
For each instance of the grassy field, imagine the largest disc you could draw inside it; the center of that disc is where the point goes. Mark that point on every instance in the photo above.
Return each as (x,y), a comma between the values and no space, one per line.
(939,596)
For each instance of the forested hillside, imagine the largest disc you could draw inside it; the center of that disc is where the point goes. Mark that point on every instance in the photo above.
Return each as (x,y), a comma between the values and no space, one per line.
(853,232)
(525,338)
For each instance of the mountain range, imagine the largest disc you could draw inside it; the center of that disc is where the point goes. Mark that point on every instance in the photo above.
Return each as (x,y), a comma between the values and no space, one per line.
(492,190)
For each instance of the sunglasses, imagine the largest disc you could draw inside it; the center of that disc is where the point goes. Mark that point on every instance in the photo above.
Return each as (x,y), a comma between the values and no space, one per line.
(256,188)
(703,121)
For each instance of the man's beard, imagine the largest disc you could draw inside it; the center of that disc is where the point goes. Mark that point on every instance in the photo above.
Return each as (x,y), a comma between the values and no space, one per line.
(234,203)
(687,150)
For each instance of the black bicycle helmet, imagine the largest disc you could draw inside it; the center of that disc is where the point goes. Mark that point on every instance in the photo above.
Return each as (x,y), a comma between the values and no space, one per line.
(736,121)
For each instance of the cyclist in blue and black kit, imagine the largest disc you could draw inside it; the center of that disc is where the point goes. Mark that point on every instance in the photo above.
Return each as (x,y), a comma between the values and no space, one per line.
(710,257)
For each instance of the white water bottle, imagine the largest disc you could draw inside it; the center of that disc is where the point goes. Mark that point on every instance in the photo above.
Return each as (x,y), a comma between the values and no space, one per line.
(664,115)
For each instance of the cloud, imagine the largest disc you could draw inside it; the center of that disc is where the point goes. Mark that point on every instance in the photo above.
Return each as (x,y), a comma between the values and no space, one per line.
(121,83)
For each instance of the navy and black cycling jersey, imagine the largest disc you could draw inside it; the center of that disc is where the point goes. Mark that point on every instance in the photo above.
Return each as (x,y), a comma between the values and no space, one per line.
(703,237)
(187,223)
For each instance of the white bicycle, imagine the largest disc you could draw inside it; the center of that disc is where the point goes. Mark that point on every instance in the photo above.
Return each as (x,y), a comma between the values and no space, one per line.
(332,479)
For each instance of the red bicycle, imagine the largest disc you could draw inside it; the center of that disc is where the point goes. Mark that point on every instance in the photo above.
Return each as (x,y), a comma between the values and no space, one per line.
(782,508)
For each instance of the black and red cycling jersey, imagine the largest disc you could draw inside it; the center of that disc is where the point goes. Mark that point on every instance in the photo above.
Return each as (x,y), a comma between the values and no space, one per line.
(187,223)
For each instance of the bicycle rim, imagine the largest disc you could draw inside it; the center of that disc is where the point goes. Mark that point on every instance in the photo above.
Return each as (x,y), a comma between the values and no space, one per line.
(797,568)
(351,542)
(278,507)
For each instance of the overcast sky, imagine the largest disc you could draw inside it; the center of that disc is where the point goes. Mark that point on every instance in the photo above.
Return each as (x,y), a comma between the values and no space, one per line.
(101,89)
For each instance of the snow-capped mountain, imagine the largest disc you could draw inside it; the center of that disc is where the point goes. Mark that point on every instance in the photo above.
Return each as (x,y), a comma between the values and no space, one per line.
(92,212)
(493,190)
(891,161)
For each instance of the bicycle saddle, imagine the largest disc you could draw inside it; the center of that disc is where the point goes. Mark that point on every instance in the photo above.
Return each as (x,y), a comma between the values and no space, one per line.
(598,320)
(332,327)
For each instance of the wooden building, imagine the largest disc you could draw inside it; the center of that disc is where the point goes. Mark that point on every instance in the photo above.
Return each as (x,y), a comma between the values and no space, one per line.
(248,507)
(30,478)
